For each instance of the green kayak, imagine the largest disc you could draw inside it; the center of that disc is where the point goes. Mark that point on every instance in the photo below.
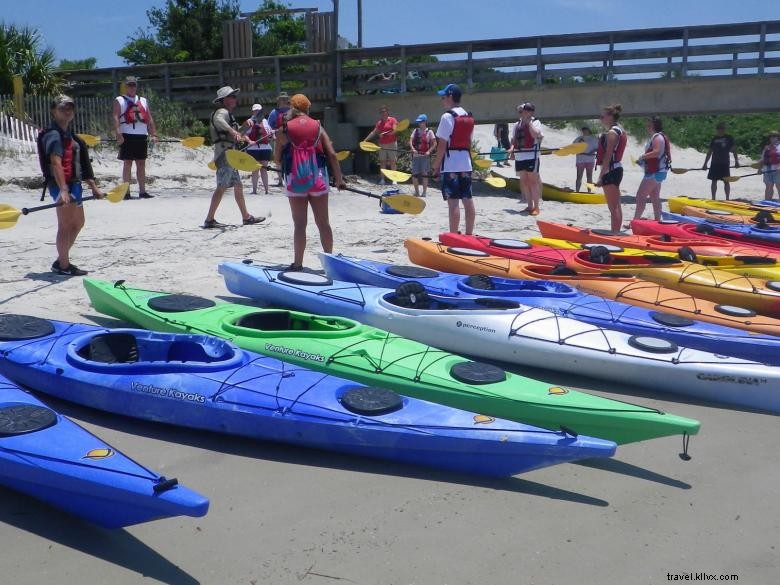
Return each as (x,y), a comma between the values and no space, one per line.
(348,349)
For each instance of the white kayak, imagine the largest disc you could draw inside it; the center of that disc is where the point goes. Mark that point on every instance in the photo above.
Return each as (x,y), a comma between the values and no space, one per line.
(505,331)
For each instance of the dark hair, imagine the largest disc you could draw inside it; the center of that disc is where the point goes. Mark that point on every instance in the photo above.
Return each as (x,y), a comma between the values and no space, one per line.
(658,125)
(613,110)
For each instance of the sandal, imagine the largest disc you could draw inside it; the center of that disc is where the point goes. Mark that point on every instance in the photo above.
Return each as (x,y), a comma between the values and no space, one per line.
(212,224)
(251,220)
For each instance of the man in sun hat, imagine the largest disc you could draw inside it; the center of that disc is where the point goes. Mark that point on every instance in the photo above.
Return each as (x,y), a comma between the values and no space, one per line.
(133,124)
(453,157)
(422,142)
(225,136)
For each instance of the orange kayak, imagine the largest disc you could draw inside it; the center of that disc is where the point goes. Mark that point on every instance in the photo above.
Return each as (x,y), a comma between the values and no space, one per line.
(624,288)
(723,216)
(701,246)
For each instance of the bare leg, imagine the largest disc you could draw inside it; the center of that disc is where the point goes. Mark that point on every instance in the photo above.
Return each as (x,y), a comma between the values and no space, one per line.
(727,189)
(238,193)
(767,192)
(642,195)
(319,208)
(416,184)
(612,193)
(70,220)
(255,177)
(578,182)
(425,186)
(655,199)
(299,207)
(454,210)
(471,215)
(589,173)
(264,176)
(216,199)
(714,189)
(127,166)
(140,175)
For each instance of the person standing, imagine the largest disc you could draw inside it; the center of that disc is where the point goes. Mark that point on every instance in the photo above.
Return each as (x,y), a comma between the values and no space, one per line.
(720,146)
(656,160)
(501,134)
(225,135)
(301,147)
(770,165)
(422,142)
(276,119)
(453,158)
(65,163)
(526,141)
(388,141)
(259,133)
(612,145)
(586,160)
(133,124)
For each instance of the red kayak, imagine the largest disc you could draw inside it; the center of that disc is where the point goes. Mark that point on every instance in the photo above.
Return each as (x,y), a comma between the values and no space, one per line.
(508,248)
(656,243)
(676,229)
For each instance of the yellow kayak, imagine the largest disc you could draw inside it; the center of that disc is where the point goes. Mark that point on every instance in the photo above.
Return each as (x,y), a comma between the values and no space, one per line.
(676,205)
(751,266)
(553,193)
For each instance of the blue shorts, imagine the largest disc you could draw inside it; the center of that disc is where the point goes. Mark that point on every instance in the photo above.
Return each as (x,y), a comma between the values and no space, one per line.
(76,191)
(456,185)
(771,177)
(658,177)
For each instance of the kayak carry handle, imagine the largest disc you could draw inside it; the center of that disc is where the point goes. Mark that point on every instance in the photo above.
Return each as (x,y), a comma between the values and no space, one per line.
(684,455)
(569,431)
(165,484)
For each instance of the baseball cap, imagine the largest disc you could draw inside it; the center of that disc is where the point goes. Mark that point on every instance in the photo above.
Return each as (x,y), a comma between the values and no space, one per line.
(452,90)
(62,100)
(130,79)
(257,107)
(421,118)
(527,106)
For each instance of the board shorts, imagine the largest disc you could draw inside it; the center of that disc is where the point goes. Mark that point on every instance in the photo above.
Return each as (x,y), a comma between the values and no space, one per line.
(388,153)
(658,177)
(717,172)
(456,185)
(76,192)
(323,173)
(421,165)
(227,176)
(135,147)
(530,165)
(772,177)
(613,177)
(260,154)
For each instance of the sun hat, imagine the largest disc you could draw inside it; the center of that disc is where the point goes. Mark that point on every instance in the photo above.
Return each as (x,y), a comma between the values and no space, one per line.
(451,90)
(283,96)
(421,118)
(62,100)
(257,107)
(130,79)
(224,92)
(528,107)
(300,102)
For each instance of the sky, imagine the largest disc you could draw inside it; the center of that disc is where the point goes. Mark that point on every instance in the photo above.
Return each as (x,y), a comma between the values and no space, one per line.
(77,29)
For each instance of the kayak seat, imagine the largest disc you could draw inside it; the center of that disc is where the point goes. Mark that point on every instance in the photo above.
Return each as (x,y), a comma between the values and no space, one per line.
(189,351)
(661,259)
(562,270)
(599,255)
(411,295)
(111,348)
(755,259)
(480,281)
(489,303)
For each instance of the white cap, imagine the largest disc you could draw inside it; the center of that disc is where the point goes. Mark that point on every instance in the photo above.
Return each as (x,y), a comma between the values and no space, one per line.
(256,107)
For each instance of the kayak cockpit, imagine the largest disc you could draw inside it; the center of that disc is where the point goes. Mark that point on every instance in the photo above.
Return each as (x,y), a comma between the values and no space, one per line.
(413,295)
(274,322)
(485,286)
(133,349)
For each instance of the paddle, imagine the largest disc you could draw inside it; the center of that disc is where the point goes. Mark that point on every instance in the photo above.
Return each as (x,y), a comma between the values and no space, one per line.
(403,203)
(400,177)
(482,163)
(736,178)
(10,215)
(190,142)
(569,149)
(242,161)
(679,171)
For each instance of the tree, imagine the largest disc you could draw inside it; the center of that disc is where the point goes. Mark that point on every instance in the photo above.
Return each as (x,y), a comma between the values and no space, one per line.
(22,53)
(277,34)
(76,64)
(182,30)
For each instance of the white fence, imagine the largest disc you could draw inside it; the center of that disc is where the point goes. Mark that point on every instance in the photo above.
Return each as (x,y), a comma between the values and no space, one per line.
(17,136)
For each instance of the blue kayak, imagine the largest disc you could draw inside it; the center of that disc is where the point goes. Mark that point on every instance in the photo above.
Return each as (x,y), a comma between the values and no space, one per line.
(563,300)
(761,233)
(207,383)
(51,458)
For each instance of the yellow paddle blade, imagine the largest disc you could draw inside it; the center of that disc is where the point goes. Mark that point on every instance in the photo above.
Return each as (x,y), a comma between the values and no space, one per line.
(8,216)
(369,146)
(679,171)
(242,161)
(89,139)
(405,203)
(193,141)
(402,125)
(483,163)
(756,165)
(497,182)
(576,148)
(592,186)
(731,179)
(212,165)
(342,155)
(396,176)
(634,161)
(118,193)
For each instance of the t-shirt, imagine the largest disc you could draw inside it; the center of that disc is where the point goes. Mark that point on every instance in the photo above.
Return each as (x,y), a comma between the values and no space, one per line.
(52,144)
(224,121)
(139,127)
(589,156)
(275,117)
(386,126)
(455,161)
(521,154)
(721,147)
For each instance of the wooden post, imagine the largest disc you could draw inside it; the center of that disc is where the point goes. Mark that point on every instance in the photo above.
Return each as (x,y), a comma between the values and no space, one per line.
(221,69)
(734,58)
(278,75)
(684,69)
(167,76)
(470,68)
(762,49)
(337,89)
(403,69)
(539,64)
(18,97)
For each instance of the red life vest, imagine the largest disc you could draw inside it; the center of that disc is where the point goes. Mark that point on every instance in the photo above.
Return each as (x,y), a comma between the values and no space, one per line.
(75,157)
(617,154)
(771,155)
(522,138)
(421,140)
(257,133)
(134,111)
(661,163)
(462,129)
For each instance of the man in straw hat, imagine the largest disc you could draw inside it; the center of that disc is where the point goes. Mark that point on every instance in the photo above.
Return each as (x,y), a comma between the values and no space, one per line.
(225,136)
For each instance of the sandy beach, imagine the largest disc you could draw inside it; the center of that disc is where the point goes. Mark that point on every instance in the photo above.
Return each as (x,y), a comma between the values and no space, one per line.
(283,515)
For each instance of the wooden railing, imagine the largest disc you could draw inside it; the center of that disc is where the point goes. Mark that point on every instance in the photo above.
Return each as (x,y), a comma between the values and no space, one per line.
(746,49)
